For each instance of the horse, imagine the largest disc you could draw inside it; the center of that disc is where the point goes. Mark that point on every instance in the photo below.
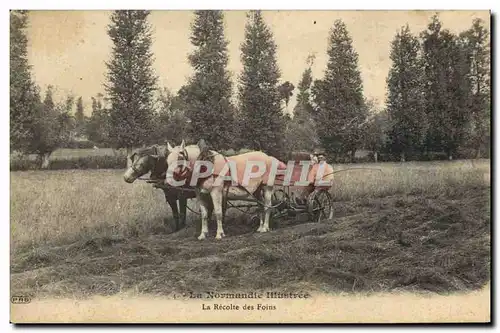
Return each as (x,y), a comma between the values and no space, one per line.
(210,187)
(151,159)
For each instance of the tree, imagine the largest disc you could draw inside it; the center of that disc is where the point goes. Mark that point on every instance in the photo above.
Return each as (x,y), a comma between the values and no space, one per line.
(301,130)
(286,91)
(51,128)
(404,98)
(24,98)
(98,125)
(476,44)
(171,119)
(260,110)
(446,88)
(208,93)
(304,87)
(131,81)
(80,117)
(338,97)
(375,129)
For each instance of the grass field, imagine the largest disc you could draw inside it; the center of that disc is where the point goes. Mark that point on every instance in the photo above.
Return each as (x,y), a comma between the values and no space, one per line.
(412,226)
(68,153)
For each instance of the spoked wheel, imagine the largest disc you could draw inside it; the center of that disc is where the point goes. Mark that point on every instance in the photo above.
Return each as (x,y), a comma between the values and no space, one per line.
(320,205)
(279,200)
(255,221)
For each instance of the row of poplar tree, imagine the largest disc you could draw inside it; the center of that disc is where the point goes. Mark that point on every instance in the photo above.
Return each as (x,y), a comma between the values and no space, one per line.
(438,94)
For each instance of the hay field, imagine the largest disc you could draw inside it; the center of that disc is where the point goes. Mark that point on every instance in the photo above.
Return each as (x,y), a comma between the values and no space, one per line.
(412,227)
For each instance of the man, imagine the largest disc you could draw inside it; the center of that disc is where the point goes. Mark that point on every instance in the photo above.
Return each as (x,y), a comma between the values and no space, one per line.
(318,157)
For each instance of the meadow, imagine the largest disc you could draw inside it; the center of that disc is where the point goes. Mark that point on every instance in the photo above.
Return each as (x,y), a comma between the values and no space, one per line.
(411,226)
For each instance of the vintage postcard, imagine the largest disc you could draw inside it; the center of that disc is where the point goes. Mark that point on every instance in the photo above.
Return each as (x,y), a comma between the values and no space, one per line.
(250,166)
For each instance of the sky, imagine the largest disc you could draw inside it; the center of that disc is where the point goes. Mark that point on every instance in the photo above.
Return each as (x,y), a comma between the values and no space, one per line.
(68,49)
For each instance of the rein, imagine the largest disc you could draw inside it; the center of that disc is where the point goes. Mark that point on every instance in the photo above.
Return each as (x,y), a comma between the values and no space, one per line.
(349,169)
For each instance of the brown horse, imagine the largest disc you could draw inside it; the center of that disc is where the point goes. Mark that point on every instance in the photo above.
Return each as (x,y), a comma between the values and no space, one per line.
(151,159)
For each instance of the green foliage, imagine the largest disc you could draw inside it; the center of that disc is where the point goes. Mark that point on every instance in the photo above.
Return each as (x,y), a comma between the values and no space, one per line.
(208,92)
(261,117)
(131,80)
(438,92)
(50,129)
(79,115)
(304,95)
(405,103)
(301,130)
(98,126)
(475,42)
(447,90)
(80,118)
(338,97)
(286,91)
(375,128)
(23,92)
(171,122)
(438,95)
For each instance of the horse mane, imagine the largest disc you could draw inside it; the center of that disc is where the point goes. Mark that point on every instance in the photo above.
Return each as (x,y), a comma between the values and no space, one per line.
(151,150)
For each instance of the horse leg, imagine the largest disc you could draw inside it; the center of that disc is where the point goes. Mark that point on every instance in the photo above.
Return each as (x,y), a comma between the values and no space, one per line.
(182,208)
(259,195)
(217,198)
(224,205)
(262,216)
(210,207)
(205,211)
(172,201)
(268,194)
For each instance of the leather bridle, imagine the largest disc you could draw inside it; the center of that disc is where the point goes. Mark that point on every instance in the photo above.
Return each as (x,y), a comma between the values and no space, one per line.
(185,169)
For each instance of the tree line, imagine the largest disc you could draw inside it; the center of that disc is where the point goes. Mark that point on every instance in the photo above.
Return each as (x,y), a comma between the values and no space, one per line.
(438,95)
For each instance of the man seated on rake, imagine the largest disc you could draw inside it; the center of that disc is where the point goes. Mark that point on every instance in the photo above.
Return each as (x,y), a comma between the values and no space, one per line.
(318,156)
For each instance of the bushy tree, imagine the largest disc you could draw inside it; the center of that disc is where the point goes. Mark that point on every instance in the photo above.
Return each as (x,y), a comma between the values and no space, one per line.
(24,97)
(301,130)
(446,88)
(172,123)
(260,111)
(338,97)
(375,128)
(405,104)
(208,93)
(51,128)
(286,91)
(477,47)
(98,126)
(131,82)
(80,119)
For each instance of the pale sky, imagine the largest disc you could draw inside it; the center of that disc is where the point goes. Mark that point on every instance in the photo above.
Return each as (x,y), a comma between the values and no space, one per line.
(68,49)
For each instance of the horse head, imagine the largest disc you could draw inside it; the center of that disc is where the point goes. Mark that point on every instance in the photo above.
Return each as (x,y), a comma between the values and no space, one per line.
(144,160)
(183,157)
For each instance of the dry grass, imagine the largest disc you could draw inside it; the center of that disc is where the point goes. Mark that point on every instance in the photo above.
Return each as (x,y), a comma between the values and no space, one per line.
(408,178)
(72,204)
(413,226)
